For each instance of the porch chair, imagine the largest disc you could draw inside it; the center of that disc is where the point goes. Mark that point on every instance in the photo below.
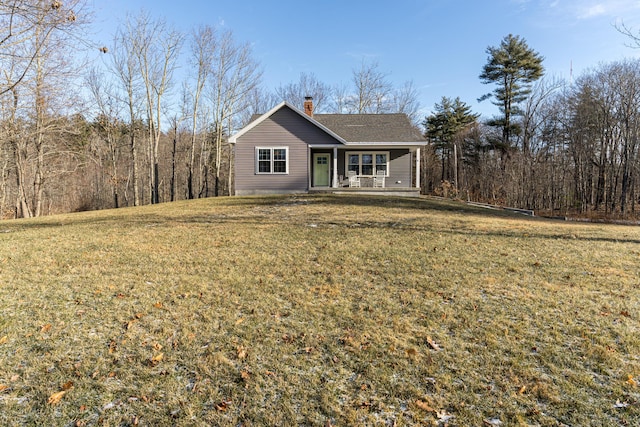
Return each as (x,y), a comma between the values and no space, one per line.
(354,180)
(378,180)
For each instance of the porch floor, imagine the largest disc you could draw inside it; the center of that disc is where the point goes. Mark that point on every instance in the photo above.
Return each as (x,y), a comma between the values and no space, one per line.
(387,191)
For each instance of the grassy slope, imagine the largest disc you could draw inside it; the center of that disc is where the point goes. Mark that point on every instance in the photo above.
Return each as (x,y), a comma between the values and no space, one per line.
(318,310)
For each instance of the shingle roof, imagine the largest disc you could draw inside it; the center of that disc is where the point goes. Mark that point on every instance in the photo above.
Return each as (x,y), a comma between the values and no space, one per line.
(356,128)
(371,127)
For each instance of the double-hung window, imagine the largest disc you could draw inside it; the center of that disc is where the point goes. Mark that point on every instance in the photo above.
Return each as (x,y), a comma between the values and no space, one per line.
(272,160)
(368,163)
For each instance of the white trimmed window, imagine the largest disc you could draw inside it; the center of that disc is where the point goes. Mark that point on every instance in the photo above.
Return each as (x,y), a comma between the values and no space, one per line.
(368,163)
(272,160)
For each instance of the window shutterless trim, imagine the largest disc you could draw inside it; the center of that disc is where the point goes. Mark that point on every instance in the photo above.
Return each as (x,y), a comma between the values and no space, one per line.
(272,159)
(373,165)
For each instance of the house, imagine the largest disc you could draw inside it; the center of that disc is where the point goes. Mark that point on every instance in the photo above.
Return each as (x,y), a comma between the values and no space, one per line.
(287,150)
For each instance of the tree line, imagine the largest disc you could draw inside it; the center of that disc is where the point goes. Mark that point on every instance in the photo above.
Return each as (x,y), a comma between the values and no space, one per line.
(148,120)
(563,148)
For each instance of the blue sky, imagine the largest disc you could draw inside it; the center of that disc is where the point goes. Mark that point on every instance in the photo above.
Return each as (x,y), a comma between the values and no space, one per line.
(438,44)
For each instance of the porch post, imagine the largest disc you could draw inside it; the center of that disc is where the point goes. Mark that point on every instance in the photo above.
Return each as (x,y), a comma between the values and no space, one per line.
(334,182)
(309,167)
(418,167)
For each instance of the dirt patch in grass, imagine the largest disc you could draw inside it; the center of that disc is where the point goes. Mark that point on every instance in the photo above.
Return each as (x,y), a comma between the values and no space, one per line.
(318,310)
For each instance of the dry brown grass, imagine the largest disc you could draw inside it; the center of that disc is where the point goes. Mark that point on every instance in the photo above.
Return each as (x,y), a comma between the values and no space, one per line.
(318,310)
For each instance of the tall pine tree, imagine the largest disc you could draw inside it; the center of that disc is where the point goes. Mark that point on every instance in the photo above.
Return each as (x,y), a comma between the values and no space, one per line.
(513,67)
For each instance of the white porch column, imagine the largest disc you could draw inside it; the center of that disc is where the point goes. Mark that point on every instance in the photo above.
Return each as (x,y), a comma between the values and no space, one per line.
(418,167)
(334,182)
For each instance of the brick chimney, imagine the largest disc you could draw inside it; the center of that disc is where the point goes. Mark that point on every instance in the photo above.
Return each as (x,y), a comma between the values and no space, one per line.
(308,106)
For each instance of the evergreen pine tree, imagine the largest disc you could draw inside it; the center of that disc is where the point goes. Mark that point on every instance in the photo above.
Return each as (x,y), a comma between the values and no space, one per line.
(513,66)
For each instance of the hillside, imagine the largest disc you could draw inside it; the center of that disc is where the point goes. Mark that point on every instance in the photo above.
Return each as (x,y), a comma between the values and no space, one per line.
(317,310)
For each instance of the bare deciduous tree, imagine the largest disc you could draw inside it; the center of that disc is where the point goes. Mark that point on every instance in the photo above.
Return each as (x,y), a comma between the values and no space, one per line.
(405,100)
(124,66)
(108,128)
(156,48)
(235,76)
(307,85)
(203,47)
(36,69)
(372,90)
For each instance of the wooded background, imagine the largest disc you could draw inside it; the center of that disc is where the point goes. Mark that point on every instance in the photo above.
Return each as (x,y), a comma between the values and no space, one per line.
(128,129)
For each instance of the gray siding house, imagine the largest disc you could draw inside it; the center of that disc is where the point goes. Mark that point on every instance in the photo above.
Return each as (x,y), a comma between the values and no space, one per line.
(287,150)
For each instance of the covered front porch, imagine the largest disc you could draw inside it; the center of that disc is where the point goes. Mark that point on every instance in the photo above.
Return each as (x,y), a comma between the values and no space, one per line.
(377,168)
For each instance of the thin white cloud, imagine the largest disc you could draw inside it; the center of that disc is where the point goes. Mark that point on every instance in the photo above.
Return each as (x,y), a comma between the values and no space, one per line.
(588,9)
(580,10)
(593,11)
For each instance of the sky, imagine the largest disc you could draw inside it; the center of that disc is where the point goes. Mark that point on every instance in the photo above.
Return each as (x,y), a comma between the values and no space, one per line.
(439,45)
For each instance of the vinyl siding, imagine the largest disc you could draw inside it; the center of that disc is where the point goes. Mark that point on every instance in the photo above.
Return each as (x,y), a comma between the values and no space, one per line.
(285,128)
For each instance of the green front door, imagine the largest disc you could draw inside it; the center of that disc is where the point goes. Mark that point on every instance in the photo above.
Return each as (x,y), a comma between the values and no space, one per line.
(321,170)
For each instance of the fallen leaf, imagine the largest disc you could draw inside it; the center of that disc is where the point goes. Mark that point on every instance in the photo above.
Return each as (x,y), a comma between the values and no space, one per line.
(223,406)
(245,375)
(522,389)
(288,338)
(4,339)
(624,313)
(433,344)
(242,353)
(157,358)
(3,387)
(158,304)
(240,320)
(56,397)
(157,346)
(631,381)
(45,328)
(424,406)
(67,386)
(412,352)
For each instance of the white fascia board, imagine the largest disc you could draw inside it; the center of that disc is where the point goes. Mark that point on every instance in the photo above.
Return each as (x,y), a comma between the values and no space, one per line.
(326,145)
(387,144)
